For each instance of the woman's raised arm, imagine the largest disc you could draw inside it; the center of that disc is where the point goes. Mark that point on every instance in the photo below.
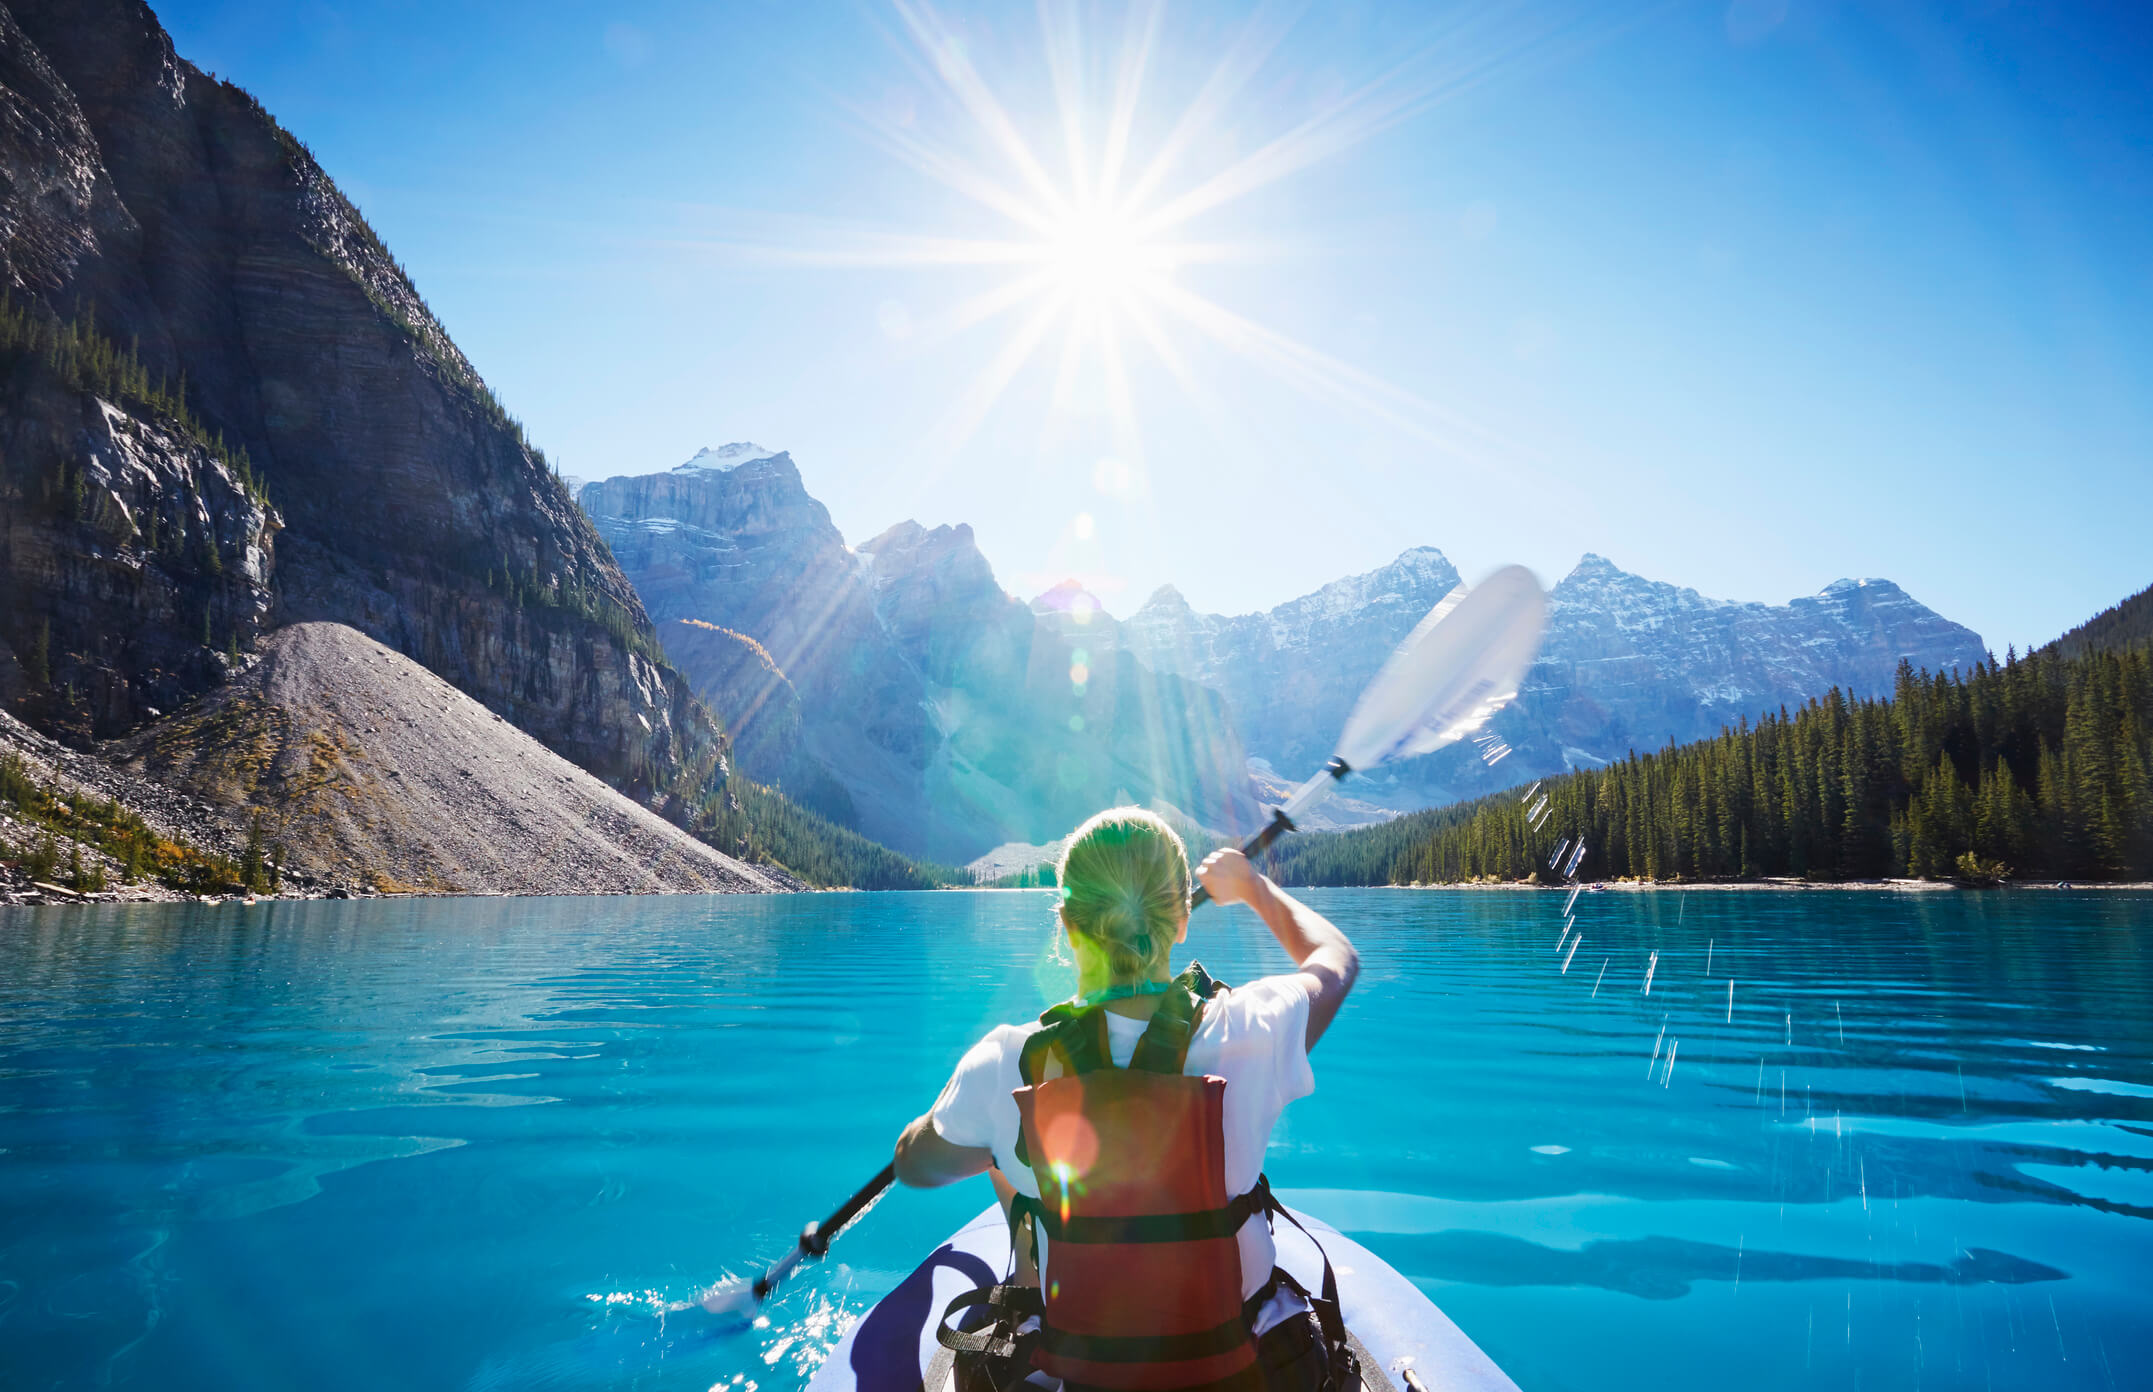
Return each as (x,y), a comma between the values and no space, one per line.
(1328,962)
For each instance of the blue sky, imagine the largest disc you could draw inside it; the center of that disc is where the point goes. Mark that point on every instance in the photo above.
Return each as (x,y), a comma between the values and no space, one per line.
(1746,297)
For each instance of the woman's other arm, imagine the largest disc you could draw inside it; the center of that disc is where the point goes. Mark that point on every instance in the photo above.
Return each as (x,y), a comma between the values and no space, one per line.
(925,1160)
(1327,960)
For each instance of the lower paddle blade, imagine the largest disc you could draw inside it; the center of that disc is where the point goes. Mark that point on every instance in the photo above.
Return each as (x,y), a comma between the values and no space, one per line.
(1456,669)
(732,1300)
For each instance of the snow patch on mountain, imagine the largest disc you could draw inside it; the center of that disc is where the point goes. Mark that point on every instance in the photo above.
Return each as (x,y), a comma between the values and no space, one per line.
(725,458)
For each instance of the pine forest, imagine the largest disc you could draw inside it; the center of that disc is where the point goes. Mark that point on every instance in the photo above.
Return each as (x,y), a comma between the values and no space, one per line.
(2032,768)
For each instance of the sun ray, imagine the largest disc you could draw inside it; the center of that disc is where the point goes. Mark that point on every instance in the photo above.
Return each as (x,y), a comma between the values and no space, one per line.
(958,424)
(1248,52)
(979,308)
(1139,31)
(951,171)
(965,84)
(1407,90)
(1124,431)
(1065,376)
(812,245)
(1213,411)
(1326,378)
(1064,45)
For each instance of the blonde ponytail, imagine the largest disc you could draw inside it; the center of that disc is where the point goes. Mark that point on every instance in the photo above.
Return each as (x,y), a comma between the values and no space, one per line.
(1125,893)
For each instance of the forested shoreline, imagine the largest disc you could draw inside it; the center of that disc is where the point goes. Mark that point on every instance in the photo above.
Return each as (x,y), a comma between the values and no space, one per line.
(2037,767)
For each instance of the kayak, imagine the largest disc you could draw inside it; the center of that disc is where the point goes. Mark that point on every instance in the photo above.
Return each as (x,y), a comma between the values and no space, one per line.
(1406,1344)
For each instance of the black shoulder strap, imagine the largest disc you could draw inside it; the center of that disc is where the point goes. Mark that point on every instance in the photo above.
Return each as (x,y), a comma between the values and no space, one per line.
(1164,1047)
(1074,1035)
(1328,1313)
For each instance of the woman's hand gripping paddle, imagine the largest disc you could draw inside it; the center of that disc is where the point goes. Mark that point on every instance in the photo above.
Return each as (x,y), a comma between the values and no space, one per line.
(1455,670)
(1459,666)
(739,1298)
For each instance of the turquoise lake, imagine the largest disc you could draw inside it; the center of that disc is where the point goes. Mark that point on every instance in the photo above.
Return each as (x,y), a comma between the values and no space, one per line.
(483,1143)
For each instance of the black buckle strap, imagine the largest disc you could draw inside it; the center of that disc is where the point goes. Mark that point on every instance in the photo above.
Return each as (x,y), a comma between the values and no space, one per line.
(1145,1348)
(1012,1305)
(1150,1227)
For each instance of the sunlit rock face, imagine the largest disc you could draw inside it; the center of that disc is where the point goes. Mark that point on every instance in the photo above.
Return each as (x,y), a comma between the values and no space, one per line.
(746,549)
(136,562)
(1627,663)
(205,238)
(937,713)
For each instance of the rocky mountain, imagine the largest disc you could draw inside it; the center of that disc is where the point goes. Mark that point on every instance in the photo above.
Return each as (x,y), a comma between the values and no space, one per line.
(378,774)
(1628,663)
(936,713)
(1290,676)
(224,407)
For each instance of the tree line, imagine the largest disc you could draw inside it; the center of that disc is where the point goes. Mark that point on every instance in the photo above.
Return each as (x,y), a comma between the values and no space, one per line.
(2037,767)
(85,360)
(80,840)
(764,827)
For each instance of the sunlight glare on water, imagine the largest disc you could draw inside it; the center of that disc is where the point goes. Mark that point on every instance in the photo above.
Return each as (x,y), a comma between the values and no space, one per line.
(502,1144)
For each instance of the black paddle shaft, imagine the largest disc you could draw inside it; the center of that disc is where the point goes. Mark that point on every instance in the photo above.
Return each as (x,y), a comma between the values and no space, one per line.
(1255,846)
(815,1238)
(1278,826)
(850,1209)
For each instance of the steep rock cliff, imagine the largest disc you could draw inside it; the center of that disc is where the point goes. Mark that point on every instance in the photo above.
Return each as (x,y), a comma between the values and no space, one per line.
(743,686)
(745,548)
(171,209)
(135,561)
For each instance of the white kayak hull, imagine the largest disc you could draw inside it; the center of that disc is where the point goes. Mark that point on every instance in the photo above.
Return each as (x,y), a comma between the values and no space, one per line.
(893,1347)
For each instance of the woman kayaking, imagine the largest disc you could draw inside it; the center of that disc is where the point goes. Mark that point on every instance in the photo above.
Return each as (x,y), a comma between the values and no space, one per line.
(1125,1132)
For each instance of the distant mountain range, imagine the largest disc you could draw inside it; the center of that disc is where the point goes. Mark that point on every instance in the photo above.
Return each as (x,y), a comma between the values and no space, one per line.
(895,686)
(1627,663)
(917,701)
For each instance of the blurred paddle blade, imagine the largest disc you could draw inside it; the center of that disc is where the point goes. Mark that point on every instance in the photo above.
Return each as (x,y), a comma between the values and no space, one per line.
(732,1300)
(1455,670)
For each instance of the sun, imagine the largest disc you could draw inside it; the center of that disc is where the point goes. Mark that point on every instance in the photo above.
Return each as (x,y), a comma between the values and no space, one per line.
(1099,256)
(1091,225)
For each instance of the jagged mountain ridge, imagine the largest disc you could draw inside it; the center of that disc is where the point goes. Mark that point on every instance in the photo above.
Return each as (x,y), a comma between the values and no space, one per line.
(1290,675)
(1627,663)
(938,714)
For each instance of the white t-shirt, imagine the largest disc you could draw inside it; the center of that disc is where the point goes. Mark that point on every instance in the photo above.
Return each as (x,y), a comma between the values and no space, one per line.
(1253,1036)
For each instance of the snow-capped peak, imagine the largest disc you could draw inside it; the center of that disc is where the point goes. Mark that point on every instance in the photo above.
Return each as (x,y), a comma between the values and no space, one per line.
(725,458)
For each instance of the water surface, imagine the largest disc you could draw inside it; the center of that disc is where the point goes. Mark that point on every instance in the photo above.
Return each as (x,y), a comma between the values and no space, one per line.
(485,1143)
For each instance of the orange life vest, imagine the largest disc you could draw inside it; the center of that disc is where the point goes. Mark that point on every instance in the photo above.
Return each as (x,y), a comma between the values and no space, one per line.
(1142,1280)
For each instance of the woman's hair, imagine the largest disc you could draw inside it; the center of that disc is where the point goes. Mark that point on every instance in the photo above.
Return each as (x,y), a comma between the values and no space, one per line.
(1125,890)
